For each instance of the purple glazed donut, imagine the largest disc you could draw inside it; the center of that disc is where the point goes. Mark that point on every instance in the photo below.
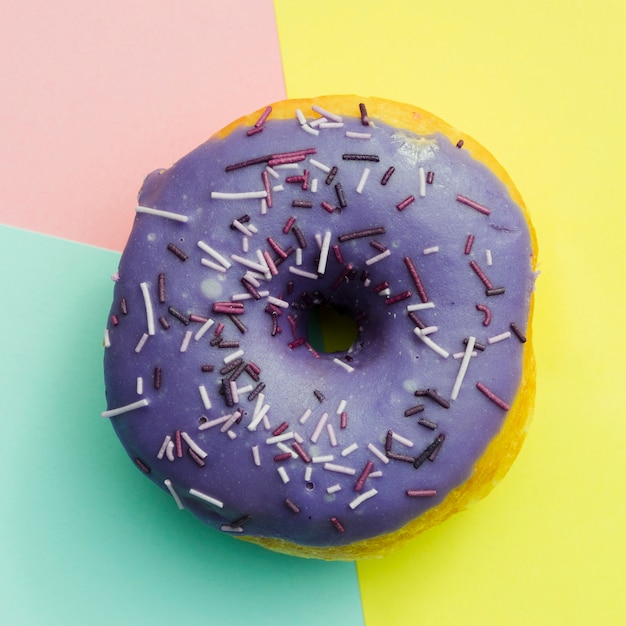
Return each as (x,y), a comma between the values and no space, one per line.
(361,206)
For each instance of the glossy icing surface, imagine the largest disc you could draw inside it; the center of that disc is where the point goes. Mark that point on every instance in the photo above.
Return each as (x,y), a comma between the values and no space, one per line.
(233,412)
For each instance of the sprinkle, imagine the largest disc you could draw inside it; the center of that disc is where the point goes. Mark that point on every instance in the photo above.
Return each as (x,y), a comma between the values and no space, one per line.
(333,488)
(327,458)
(340,469)
(405,458)
(418,408)
(481,274)
(351,448)
(430,451)
(374,450)
(148,305)
(206,402)
(318,429)
(341,198)
(126,408)
(357,234)
(216,255)
(403,440)
(405,203)
(343,420)
(416,279)
(302,204)
(485,310)
(178,315)
(433,395)
(364,118)
(282,457)
(351,134)
(459,143)
(255,456)
(337,524)
(345,366)
(488,257)
(283,474)
(232,356)
(319,395)
(463,368)
(492,396)
(177,217)
(324,113)
(305,416)
(361,157)
(186,339)
(331,175)
(235,308)
(431,344)
(177,252)
(398,298)
(240,195)
(362,498)
(363,477)
(331,435)
(361,184)
(430,250)
(179,444)
(142,466)
(378,257)
(427,423)
(320,166)
(422,181)
(141,343)
(299,236)
(283,304)
(291,506)
(170,488)
(256,420)
(303,273)
(206,498)
(421,493)
(264,116)
(107,338)
(495,291)
(500,337)
(419,307)
(251,264)
(193,445)
(474,205)
(385,179)
(231,421)
(518,333)
(321,266)
(211,265)
(430,177)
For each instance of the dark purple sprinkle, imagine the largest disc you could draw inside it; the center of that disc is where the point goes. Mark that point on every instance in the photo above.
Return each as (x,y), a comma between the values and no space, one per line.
(178,315)
(421,493)
(275,328)
(298,305)
(398,297)
(469,243)
(254,130)
(427,423)
(387,175)
(239,370)
(473,204)
(254,368)
(377,245)
(302,204)
(255,161)
(207,368)
(290,287)
(430,177)
(428,451)
(400,457)
(319,395)
(459,143)
(250,288)
(229,367)
(164,323)
(364,276)
(142,466)
(299,236)
(228,393)
(177,252)
(338,255)
(433,455)
(198,460)
(331,175)
(337,524)
(157,377)
(242,220)
(517,332)
(124,306)
(291,505)
(416,320)
(416,279)
(241,327)
(344,274)
(418,408)
(361,157)
(341,197)
(495,291)
(378,288)
(241,521)
(388,440)
(364,118)
(272,309)
(301,452)
(357,234)
(215,341)
(477,345)
(363,477)
(256,391)
(161,287)
(433,395)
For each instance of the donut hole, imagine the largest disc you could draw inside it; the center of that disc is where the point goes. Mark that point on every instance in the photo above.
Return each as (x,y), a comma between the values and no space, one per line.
(309,485)
(331,328)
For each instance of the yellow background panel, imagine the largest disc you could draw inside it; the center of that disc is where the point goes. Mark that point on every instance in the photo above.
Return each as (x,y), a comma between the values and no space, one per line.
(542,85)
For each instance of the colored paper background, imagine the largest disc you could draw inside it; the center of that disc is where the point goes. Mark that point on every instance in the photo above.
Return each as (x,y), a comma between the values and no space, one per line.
(99,94)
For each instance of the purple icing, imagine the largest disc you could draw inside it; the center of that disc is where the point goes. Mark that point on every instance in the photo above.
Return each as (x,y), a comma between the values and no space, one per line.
(381,372)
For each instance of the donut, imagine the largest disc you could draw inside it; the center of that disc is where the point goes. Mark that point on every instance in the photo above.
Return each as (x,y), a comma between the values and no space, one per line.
(303,217)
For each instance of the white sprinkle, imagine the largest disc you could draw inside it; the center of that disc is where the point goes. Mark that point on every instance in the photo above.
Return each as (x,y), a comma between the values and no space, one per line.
(298,256)
(301,117)
(331,435)
(321,266)
(341,469)
(317,121)
(499,337)
(163,448)
(256,420)
(239,195)
(227,528)
(305,416)
(283,474)
(256,457)
(260,401)
(331,116)
(126,408)
(278,438)
(148,304)
(330,124)
(318,240)
(364,496)
(206,498)
(314,185)
(322,459)
(245,389)
(204,395)
(420,306)
(266,421)
(333,488)
(233,391)
(263,263)
(385,293)
(193,445)
(214,422)
(212,265)
(252,278)
(422,179)
(378,257)
(186,339)
(170,488)
(232,356)
(308,129)
(215,254)
(242,229)
(245,245)
(460,355)
(489,257)
(238,297)
(354,135)
(286,449)
(345,366)
(272,172)
(298,272)
(351,448)
(263,206)
(169,451)
(287,165)
(318,429)
(139,385)
(283,304)
(167,214)
(373,449)
(231,434)
(431,344)
(298,437)
(430,250)
(363,180)
(251,264)
(308,472)
(342,407)
(107,338)
(201,332)
(320,166)
(367,282)
(376,474)
(403,440)
(429,330)
(141,342)
(463,368)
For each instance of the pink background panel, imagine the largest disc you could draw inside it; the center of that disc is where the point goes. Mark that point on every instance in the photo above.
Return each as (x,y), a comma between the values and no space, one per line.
(97,95)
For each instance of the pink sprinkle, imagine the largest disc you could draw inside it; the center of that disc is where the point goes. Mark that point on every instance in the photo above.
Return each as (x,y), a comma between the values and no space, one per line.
(254,130)
(484,309)
(288,224)
(398,298)
(179,444)
(338,255)
(300,451)
(474,205)
(416,279)
(492,396)
(405,203)
(328,207)
(469,243)
(420,493)
(263,117)
(481,274)
(270,263)
(337,524)
(363,477)
(268,188)
(343,420)
(296,343)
